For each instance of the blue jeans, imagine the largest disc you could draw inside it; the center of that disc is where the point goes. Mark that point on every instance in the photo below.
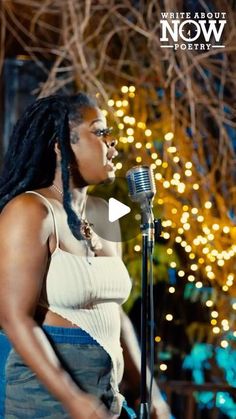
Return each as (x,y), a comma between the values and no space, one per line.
(5,348)
(87,362)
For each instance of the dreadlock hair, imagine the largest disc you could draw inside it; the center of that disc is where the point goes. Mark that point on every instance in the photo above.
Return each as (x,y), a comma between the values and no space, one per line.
(30,161)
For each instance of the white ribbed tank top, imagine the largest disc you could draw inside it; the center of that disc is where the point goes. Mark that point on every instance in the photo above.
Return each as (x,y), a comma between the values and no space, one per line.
(88,291)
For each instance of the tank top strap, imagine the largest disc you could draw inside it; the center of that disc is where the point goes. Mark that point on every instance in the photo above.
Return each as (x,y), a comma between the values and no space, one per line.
(52,212)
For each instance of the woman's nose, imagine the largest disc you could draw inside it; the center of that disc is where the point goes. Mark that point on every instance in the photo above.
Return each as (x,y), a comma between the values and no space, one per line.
(112,152)
(111,143)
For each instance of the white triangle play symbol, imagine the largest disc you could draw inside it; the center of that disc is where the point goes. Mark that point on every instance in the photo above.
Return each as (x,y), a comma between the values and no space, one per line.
(116,210)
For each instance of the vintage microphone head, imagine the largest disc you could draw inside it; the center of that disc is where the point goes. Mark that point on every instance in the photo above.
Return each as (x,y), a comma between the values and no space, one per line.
(141,185)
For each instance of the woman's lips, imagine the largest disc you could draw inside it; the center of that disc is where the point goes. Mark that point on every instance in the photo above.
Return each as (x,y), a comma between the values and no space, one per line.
(110,165)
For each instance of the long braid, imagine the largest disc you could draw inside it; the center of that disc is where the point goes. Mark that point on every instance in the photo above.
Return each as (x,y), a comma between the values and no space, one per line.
(30,161)
(21,163)
(66,153)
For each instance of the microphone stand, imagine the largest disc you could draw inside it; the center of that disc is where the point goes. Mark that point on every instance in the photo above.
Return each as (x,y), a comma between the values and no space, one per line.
(150,229)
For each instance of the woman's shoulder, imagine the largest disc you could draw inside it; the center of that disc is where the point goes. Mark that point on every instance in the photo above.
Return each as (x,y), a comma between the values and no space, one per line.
(26,209)
(25,230)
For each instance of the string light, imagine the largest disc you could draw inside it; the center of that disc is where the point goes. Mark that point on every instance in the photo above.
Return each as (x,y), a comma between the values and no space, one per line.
(126,119)
(148,132)
(141,125)
(181,274)
(188,248)
(166,184)
(130,131)
(188,165)
(208,205)
(211,275)
(171,149)
(120,113)
(169,136)
(166,235)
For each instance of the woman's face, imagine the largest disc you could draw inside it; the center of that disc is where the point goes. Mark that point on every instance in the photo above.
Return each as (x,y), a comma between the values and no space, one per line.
(93,147)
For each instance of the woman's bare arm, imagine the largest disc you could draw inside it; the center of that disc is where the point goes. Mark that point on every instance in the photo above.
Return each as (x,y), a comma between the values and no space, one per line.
(25,227)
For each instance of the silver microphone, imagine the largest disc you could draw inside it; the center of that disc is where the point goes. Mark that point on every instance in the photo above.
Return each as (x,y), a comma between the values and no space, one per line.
(141,185)
(142,188)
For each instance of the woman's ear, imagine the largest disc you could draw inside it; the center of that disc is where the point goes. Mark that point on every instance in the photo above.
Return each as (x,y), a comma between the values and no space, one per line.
(57,149)
(58,153)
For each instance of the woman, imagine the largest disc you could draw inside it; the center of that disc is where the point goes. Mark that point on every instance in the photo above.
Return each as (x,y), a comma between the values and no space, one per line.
(59,304)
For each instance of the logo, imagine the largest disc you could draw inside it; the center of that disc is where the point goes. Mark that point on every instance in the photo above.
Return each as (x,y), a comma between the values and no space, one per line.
(192,31)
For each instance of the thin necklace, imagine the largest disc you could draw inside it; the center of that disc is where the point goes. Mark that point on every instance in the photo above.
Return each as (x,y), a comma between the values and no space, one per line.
(85,227)
(57,189)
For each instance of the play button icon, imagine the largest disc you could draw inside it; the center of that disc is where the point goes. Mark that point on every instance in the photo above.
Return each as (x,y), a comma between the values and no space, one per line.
(116,210)
(120,217)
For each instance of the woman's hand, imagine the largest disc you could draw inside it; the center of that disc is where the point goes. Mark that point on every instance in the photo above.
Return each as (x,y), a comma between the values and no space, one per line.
(88,407)
(160,409)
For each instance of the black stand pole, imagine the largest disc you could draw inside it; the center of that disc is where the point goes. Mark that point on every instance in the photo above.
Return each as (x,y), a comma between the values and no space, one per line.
(144,408)
(151,230)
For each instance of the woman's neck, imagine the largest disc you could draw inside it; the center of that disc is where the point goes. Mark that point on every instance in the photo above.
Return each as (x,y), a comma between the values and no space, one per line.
(79,195)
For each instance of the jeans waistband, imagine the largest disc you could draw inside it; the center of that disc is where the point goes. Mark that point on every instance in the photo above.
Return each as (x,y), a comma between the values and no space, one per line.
(68,335)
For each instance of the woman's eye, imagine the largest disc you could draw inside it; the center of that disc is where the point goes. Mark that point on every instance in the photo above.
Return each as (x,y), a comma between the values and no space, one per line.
(102,132)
